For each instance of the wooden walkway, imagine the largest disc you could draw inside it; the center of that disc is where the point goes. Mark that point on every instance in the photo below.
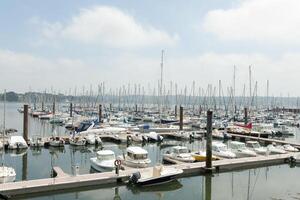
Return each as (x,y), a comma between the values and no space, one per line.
(64,181)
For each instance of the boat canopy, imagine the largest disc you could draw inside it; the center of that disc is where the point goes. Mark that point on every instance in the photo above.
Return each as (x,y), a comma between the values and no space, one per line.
(136,150)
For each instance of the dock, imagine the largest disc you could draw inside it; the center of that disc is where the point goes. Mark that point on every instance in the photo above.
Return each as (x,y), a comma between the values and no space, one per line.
(64,181)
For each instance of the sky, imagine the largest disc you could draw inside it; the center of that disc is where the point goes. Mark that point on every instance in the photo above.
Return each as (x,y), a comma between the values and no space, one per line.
(72,44)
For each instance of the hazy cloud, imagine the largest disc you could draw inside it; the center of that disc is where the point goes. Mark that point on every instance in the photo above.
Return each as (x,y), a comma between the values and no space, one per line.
(107,26)
(273,21)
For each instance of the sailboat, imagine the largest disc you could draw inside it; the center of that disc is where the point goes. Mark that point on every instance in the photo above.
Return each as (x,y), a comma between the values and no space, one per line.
(7,174)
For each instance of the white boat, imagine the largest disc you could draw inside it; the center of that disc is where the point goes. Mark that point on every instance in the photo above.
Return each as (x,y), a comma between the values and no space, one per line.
(77,141)
(138,137)
(36,142)
(7,174)
(219,149)
(155,175)
(17,142)
(272,149)
(153,136)
(104,161)
(93,139)
(240,149)
(255,146)
(56,142)
(288,147)
(179,153)
(135,157)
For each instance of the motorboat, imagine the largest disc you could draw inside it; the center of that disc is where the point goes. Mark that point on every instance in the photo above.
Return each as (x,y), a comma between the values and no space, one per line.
(220,149)
(288,147)
(272,149)
(240,149)
(179,153)
(155,175)
(93,139)
(138,137)
(153,136)
(36,142)
(220,135)
(104,161)
(56,141)
(77,141)
(17,142)
(135,157)
(7,174)
(183,135)
(255,146)
(201,156)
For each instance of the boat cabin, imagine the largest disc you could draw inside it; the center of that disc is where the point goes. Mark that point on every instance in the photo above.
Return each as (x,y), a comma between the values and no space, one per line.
(137,153)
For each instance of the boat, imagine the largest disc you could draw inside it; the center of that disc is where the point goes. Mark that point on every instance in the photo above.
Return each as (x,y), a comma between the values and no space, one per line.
(255,146)
(201,156)
(135,157)
(17,142)
(179,153)
(104,161)
(153,136)
(288,147)
(77,141)
(220,149)
(7,174)
(216,134)
(272,149)
(93,139)
(138,137)
(155,175)
(36,142)
(240,149)
(56,141)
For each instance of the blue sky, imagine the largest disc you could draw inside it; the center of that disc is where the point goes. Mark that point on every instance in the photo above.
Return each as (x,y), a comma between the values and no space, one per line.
(67,44)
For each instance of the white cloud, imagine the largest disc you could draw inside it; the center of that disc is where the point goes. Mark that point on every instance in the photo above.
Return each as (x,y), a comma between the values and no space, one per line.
(19,71)
(108,26)
(274,21)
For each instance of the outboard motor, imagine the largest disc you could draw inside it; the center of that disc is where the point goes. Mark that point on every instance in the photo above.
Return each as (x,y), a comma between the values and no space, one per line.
(134,177)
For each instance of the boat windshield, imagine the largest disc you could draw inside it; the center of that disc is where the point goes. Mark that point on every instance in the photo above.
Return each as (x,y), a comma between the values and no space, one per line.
(183,151)
(140,156)
(106,157)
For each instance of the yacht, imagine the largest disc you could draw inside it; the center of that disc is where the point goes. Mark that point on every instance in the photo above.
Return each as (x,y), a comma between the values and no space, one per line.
(104,161)
(179,153)
(255,146)
(36,142)
(220,149)
(288,147)
(153,136)
(93,139)
(17,142)
(272,149)
(155,175)
(135,157)
(7,174)
(240,149)
(56,142)
(77,141)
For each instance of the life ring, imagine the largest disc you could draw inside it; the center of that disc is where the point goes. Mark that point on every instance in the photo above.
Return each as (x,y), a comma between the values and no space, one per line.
(117,163)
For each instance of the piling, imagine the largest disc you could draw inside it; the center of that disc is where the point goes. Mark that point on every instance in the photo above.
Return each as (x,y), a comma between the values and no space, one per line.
(110,107)
(24,167)
(100,113)
(181,119)
(43,109)
(25,123)
(208,187)
(175,111)
(209,141)
(53,108)
(136,108)
(71,109)
(246,115)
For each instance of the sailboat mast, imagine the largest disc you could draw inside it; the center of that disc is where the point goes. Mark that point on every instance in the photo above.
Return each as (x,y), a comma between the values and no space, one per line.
(161,78)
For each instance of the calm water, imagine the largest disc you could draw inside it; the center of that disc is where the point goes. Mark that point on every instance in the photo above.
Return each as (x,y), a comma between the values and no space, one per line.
(276,182)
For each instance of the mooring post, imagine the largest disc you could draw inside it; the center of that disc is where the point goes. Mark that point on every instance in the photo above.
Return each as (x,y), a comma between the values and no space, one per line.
(208,187)
(181,119)
(71,109)
(246,115)
(175,111)
(100,113)
(110,107)
(25,123)
(43,106)
(136,108)
(209,141)
(53,108)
